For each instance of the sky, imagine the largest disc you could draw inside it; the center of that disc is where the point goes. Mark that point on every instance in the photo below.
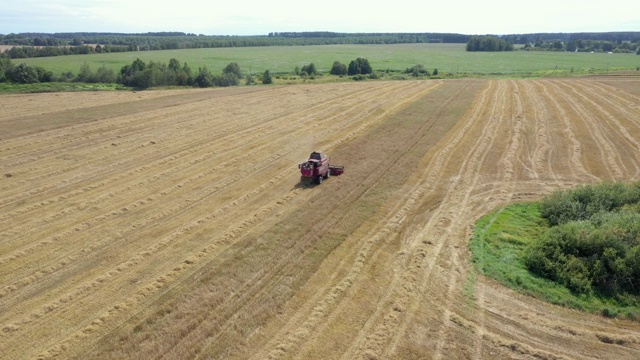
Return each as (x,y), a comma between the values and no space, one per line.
(260,17)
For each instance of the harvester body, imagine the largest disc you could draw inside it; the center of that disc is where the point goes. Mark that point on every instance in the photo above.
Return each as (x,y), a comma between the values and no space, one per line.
(317,168)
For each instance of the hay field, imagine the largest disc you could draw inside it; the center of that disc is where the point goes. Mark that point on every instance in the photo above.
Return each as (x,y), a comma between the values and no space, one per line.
(172,224)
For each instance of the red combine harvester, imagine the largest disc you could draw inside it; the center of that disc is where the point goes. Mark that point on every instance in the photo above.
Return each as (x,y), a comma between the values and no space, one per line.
(317,168)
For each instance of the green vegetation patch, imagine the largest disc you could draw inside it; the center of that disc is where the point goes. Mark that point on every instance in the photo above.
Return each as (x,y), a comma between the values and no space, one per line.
(588,260)
(295,64)
(8,88)
(449,59)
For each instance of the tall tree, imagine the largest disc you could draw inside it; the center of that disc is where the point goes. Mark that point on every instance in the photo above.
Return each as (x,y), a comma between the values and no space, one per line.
(85,74)
(204,78)
(233,68)
(266,77)
(174,64)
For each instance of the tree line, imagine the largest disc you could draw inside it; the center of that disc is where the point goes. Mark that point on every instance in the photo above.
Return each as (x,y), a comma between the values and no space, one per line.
(28,45)
(488,43)
(154,38)
(23,52)
(141,75)
(494,43)
(56,39)
(615,37)
(138,74)
(584,46)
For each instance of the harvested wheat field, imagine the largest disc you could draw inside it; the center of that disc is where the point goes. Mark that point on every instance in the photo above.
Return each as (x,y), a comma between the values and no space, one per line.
(173,224)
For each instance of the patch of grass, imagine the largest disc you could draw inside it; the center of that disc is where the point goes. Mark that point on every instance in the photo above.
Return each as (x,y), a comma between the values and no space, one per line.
(499,239)
(497,245)
(6,88)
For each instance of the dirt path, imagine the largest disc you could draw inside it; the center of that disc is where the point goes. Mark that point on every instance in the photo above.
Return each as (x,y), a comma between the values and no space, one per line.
(175,227)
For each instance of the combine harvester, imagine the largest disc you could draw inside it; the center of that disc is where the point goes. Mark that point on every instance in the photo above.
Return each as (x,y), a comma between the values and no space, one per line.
(317,168)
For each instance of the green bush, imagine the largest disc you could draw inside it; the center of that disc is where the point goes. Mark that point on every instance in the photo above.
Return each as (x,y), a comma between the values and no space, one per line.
(266,77)
(583,202)
(593,243)
(5,65)
(417,70)
(310,69)
(27,74)
(226,79)
(359,66)
(233,68)
(338,68)
(204,78)
(609,312)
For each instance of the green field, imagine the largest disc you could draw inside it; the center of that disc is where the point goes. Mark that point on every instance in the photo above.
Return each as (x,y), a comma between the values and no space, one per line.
(449,59)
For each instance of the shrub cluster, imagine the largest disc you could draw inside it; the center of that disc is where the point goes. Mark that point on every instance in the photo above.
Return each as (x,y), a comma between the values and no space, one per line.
(584,201)
(419,70)
(338,68)
(592,244)
(309,69)
(359,66)
(23,73)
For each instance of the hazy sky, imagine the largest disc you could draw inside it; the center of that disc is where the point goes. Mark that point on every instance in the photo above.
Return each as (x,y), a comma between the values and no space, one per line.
(260,17)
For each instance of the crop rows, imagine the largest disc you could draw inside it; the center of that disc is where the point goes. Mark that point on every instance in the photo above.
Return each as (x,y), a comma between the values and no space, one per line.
(174,225)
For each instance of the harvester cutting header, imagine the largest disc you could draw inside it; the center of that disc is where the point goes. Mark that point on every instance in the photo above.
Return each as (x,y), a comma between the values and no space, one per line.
(317,168)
